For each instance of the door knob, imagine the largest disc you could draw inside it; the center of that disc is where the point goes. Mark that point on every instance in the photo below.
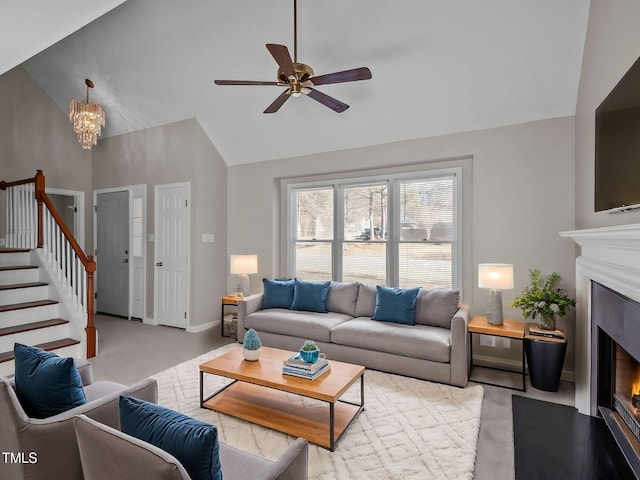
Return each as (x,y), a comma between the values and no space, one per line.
(159,264)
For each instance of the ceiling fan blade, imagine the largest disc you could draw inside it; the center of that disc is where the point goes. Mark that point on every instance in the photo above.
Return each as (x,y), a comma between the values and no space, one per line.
(242,82)
(278,102)
(282,57)
(326,100)
(362,73)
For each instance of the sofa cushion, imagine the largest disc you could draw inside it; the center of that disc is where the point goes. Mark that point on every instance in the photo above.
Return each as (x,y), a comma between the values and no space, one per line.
(395,305)
(437,306)
(342,298)
(46,384)
(310,296)
(366,303)
(277,293)
(299,324)
(192,442)
(414,341)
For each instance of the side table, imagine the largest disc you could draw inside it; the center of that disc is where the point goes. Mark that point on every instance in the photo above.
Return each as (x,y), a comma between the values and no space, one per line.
(509,329)
(228,300)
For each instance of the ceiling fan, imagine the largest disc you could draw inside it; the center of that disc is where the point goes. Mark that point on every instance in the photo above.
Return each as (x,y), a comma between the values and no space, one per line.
(299,78)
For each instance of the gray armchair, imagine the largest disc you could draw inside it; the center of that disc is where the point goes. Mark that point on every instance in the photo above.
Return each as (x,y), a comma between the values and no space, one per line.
(107,453)
(46,449)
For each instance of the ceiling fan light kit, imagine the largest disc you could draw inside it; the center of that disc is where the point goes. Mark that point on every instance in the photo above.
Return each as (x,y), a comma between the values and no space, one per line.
(299,78)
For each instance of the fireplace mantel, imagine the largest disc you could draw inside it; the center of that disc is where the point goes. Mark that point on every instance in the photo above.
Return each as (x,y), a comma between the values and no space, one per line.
(611,257)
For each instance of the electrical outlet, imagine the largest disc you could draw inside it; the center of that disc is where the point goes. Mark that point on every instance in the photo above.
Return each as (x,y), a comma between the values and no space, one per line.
(506,343)
(488,341)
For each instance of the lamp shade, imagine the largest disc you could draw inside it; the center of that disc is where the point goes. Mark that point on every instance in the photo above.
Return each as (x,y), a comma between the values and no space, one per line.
(244,264)
(497,276)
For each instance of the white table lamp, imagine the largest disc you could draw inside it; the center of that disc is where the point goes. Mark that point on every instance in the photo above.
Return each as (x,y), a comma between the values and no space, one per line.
(243,265)
(496,277)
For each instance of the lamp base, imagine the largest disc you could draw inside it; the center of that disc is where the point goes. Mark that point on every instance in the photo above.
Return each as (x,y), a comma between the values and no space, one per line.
(494,308)
(244,289)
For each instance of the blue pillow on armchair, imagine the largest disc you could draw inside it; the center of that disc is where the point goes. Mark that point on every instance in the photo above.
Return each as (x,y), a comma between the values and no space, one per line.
(310,296)
(46,383)
(396,305)
(277,293)
(192,442)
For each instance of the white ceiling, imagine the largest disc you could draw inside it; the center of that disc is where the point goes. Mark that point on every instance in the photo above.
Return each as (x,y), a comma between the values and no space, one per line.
(439,66)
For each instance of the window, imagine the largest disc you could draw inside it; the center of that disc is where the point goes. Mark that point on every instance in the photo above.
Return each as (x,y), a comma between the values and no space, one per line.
(398,230)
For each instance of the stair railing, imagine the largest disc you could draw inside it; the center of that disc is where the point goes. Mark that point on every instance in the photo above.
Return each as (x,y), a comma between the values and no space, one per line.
(29,225)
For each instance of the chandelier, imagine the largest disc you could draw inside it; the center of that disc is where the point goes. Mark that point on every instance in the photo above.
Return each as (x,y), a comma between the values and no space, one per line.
(87,118)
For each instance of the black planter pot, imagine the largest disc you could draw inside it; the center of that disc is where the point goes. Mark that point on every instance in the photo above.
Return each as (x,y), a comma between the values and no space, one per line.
(545,360)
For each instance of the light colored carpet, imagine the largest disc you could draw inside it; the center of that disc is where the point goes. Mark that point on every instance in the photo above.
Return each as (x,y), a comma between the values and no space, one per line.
(410,429)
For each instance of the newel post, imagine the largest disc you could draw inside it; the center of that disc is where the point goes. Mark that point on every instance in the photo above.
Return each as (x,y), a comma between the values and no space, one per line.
(39,187)
(90,329)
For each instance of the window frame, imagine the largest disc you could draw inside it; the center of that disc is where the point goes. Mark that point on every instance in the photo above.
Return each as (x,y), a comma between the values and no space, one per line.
(338,182)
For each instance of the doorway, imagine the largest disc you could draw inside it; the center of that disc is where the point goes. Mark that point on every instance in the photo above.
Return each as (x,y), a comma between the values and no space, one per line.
(112,218)
(70,206)
(120,249)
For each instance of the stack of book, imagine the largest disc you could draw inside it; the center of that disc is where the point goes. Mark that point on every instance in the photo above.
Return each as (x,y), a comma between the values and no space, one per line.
(297,367)
(537,331)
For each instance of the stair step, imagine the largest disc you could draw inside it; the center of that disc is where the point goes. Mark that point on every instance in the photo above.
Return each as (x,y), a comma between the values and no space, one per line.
(23,305)
(8,268)
(13,250)
(16,286)
(48,346)
(26,327)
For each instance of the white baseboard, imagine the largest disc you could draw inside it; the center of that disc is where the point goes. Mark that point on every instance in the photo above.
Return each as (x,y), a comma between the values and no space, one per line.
(495,362)
(202,328)
(149,321)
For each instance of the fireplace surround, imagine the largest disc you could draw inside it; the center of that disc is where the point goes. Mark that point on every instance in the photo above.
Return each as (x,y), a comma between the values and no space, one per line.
(607,339)
(616,354)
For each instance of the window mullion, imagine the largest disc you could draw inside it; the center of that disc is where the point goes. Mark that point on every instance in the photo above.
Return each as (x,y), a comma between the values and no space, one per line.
(393,215)
(338,231)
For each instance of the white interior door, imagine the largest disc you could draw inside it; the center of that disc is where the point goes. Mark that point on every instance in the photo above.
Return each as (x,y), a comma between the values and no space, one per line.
(113,253)
(171,254)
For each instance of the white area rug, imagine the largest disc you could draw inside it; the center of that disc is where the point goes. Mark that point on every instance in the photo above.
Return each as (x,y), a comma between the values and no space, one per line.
(409,429)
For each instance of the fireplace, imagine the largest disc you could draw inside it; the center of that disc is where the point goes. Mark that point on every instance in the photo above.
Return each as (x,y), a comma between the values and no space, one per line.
(616,356)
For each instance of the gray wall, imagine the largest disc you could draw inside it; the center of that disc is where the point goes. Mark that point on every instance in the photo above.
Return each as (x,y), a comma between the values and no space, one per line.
(521,189)
(612,46)
(177,152)
(35,134)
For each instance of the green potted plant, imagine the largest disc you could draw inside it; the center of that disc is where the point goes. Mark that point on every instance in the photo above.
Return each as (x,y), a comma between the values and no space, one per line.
(309,351)
(543,298)
(251,344)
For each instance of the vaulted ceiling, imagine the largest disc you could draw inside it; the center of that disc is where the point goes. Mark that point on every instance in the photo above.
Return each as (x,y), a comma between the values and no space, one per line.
(439,66)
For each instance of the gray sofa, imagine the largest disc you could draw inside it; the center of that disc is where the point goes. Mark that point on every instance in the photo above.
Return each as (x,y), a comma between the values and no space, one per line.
(53,440)
(436,348)
(109,454)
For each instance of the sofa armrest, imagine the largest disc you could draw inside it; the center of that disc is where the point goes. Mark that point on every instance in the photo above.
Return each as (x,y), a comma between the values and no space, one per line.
(292,464)
(460,354)
(247,306)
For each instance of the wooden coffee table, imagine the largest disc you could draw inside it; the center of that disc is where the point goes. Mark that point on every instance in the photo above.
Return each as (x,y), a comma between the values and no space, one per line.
(259,393)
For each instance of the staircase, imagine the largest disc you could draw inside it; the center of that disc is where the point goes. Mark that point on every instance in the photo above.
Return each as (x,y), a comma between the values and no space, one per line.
(34,310)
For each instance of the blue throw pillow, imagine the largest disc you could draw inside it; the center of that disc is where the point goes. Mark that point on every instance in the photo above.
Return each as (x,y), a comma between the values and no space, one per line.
(396,304)
(277,293)
(310,296)
(46,384)
(192,442)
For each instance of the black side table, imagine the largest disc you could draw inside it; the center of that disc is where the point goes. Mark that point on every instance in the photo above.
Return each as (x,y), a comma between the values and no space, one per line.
(545,359)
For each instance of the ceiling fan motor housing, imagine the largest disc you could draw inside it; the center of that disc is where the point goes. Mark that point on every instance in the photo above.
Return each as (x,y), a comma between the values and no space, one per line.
(304,72)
